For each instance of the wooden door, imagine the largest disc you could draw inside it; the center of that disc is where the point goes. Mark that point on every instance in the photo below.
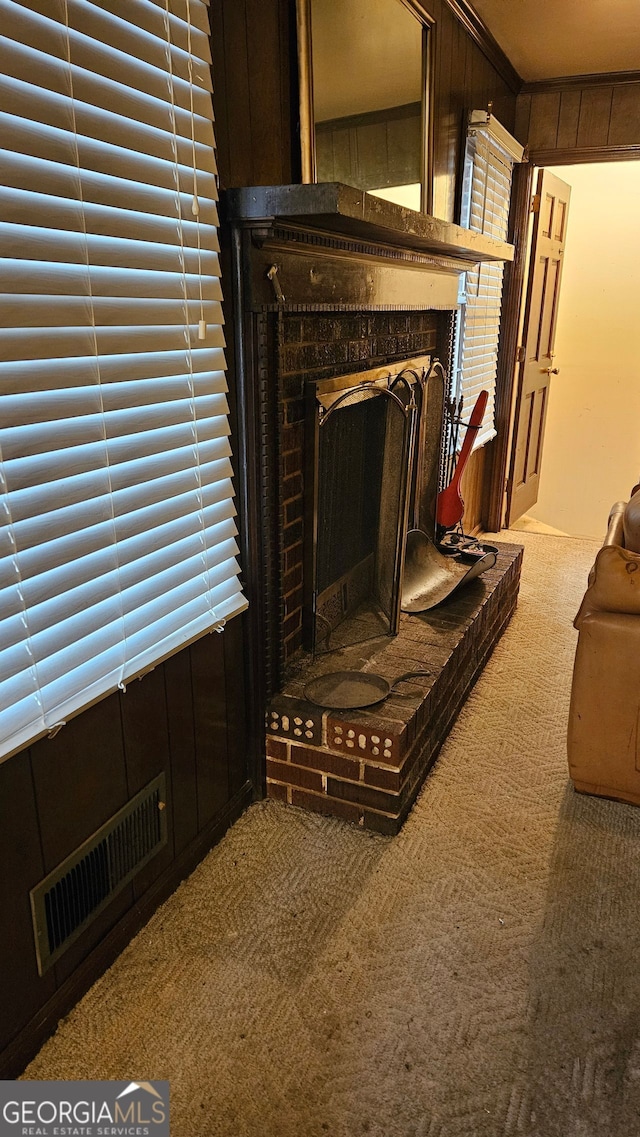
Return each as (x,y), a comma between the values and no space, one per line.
(551,208)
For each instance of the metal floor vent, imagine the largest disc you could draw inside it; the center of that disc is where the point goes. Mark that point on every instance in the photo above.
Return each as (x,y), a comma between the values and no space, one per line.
(71,896)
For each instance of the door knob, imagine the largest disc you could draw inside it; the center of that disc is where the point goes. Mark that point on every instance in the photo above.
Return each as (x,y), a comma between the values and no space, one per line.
(551,370)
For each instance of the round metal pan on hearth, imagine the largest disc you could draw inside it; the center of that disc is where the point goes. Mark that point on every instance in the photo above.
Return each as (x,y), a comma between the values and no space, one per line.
(349,690)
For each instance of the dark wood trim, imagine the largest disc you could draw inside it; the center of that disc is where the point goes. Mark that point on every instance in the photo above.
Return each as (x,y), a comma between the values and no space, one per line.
(367,118)
(22,1049)
(576,155)
(573,82)
(429,103)
(498,455)
(421,12)
(480,34)
(249,481)
(429,61)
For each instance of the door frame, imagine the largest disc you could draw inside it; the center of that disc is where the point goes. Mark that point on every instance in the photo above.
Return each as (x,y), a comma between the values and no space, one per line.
(513,296)
(507,367)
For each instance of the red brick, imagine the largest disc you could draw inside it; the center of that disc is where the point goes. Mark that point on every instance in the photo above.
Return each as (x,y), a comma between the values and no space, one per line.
(292,437)
(381,823)
(364,795)
(294,775)
(292,328)
(292,463)
(292,510)
(292,486)
(292,623)
(293,556)
(347,810)
(383,779)
(293,602)
(276,749)
(292,534)
(292,579)
(326,762)
(292,644)
(276,792)
(293,411)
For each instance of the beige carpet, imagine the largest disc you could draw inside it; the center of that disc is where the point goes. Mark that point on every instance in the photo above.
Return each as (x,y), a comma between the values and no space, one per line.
(478,975)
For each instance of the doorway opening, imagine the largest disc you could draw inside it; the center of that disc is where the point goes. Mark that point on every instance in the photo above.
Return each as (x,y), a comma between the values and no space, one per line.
(589,446)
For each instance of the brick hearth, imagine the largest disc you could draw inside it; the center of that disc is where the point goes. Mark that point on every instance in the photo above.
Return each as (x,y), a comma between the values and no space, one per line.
(367,766)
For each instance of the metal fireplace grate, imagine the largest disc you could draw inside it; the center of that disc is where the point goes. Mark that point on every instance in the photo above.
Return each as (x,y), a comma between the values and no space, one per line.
(70,897)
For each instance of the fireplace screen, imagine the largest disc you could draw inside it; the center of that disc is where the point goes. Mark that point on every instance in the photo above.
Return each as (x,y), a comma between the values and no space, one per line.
(362,445)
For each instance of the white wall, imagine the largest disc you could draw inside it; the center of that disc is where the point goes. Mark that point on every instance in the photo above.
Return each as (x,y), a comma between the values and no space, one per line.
(591,454)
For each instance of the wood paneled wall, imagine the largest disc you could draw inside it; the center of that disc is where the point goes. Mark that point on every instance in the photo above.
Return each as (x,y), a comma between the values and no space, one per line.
(464,80)
(588,118)
(472,491)
(186,718)
(381,148)
(255,79)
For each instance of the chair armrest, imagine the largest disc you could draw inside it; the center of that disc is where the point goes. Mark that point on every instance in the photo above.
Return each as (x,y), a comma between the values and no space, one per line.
(632,524)
(614,584)
(615,525)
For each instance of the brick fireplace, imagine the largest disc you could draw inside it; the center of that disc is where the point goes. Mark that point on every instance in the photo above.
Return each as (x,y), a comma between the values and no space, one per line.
(325,292)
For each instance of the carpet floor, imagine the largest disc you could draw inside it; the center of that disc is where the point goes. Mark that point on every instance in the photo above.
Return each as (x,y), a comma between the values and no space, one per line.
(476,976)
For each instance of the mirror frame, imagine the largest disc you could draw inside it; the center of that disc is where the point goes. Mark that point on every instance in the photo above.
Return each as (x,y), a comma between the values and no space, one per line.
(307,119)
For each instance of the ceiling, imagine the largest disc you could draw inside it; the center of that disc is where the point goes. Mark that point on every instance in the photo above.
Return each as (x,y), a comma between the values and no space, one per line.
(545,39)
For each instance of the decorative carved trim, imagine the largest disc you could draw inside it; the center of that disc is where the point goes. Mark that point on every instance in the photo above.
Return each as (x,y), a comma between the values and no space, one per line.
(571,82)
(274,441)
(584,154)
(358,248)
(317,309)
(267,362)
(480,34)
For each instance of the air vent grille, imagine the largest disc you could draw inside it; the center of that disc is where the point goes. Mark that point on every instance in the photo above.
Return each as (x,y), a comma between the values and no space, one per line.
(71,896)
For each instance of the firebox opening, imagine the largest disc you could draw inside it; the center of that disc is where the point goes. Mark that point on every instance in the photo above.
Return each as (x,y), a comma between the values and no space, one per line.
(362,431)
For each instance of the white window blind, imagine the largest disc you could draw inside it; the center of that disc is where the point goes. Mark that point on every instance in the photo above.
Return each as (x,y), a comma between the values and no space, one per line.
(486,192)
(117,532)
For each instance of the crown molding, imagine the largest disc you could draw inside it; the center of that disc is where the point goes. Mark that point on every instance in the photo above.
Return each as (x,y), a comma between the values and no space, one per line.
(572,82)
(464,11)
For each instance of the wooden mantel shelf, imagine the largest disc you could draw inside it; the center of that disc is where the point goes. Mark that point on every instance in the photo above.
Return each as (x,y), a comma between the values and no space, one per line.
(341,209)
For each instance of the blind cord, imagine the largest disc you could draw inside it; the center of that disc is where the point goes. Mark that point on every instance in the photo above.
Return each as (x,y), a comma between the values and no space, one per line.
(195,205)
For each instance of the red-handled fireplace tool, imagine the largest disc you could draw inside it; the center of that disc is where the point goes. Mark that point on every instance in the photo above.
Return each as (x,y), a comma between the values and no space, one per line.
(450,505)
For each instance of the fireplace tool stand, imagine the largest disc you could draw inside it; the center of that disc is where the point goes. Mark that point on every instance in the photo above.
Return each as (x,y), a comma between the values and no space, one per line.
(432,573)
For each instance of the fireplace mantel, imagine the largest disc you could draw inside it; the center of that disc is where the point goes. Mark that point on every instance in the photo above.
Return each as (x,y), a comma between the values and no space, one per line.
(342,210)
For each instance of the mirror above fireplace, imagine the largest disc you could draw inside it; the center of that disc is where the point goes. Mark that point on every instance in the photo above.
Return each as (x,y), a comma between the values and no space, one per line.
(364,81)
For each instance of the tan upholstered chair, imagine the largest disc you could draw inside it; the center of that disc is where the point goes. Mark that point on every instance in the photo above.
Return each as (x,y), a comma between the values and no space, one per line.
(604,719)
